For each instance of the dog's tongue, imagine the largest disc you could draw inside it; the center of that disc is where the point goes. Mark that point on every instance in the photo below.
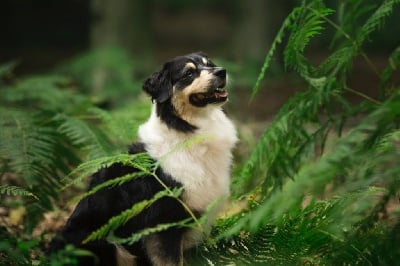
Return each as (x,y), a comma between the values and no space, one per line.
(221,94)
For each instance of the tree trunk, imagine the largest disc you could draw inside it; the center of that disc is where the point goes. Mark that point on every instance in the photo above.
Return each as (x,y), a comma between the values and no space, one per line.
(121,23)
(260,22)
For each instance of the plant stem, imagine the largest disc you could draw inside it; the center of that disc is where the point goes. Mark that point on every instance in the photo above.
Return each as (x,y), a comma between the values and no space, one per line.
(347,36)
(363,95)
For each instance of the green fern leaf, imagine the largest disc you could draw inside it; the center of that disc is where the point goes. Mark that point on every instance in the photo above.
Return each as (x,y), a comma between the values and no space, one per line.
(15,191)
(28,145)
(121,125)
(140,161)
(376,20)
(85,135)
(148,231)
(276,156)
(386,86)
(309,23)
(313,177)
(110,183)
(311,234)
(278,39)
(126,215)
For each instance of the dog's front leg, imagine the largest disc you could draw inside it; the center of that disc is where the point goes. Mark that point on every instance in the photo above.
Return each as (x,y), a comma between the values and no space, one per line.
(165,248)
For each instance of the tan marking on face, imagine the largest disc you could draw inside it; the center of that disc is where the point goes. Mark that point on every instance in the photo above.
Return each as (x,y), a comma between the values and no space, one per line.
(204,60)
(180,98)
(189,66)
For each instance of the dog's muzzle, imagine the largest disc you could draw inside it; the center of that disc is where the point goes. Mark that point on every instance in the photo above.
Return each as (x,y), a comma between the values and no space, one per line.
(216,93)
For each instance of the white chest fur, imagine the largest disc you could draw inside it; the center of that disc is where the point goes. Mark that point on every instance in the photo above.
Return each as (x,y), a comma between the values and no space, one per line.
(201,161)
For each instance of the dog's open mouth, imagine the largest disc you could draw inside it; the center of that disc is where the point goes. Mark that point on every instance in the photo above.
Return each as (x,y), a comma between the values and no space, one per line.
(218,95)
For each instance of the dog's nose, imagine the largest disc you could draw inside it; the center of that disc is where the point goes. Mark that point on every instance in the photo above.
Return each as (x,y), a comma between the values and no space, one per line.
(220,73)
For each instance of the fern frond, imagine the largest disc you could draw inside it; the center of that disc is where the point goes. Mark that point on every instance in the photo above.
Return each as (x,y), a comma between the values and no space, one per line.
(276,155)
(284,137)
(350,14)
(105,74)
(355,150)
(387,86)
(302,34)
(309,24)
(121,125)
(126,215)
(28,144)
(278,39)
(359,169)
(111,183)
(388,141)
(46,93)
(27,149)
(148,231)
(376,20)
(140,161)
(313,234)
(84,135)
(335,63)
(15,191)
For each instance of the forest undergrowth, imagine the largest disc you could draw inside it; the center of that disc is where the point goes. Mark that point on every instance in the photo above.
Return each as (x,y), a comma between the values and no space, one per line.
(320,187)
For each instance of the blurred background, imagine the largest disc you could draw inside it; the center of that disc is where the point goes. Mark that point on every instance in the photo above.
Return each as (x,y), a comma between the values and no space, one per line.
(137,36)
(44,32)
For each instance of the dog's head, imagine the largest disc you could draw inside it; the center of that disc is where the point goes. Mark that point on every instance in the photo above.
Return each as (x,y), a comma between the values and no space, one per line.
(192,79)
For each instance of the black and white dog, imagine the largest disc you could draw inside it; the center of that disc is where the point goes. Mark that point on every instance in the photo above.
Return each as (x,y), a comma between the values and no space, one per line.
(187,94)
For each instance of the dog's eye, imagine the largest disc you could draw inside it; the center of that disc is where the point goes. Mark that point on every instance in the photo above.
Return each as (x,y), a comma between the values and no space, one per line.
(188,73)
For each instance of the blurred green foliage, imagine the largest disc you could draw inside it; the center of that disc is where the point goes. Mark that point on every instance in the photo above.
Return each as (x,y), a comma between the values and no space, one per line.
(317,189)
(51,123)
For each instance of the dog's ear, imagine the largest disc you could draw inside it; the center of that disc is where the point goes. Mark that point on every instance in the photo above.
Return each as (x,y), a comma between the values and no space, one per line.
(159,85)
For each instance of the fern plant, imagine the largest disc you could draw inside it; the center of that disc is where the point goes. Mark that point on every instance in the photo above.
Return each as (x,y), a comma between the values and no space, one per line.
(47,128)
(320,199)
(104,74)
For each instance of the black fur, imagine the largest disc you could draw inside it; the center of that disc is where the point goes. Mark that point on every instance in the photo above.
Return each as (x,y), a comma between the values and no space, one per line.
(95,210)
(167,113)
(159,85)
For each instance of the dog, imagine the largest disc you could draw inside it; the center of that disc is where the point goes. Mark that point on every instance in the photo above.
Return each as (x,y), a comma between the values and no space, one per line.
(191,138)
